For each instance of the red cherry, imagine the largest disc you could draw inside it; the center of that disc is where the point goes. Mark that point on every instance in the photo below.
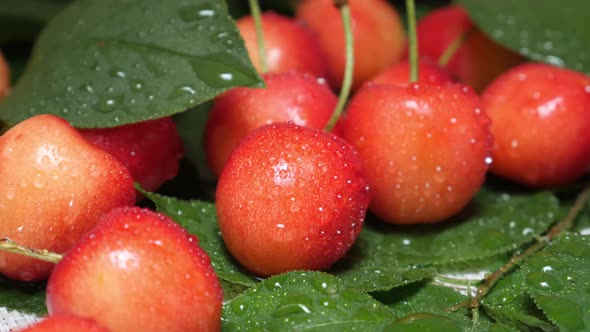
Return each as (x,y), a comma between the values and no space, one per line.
(289,45)
(4,76)
(137,270)
(291,198)
(64,323)
(378,36)
(399,74)
(424,149)
(541,124)
(296,97)
(151,150)
(479,59)
(54,186)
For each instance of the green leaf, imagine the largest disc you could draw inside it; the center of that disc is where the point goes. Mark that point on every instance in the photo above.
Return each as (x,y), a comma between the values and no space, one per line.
(557,279)
(494,223)
(112,62)
(425,307)
(509,303)
(25,297)
(582,224)
(369,269)
(420,297)
(310,301)
(550,31)
(191,128)
(21,20)
(418,322)
(200,219)
(31,10)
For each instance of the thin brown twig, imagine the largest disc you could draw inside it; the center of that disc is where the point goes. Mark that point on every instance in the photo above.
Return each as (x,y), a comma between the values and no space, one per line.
(556,230)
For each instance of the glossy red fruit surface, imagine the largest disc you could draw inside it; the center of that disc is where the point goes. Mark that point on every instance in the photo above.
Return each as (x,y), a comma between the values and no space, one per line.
(479,59)
(54,186)
(541,124)
(291,198)
(425,149)
(4,76)
(300,98)
(399,74)
(65,323)
(151,150)
(378,36)
(137,270)
(289,45)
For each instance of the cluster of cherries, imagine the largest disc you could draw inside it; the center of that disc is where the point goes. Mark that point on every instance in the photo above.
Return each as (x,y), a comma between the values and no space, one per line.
(293,189)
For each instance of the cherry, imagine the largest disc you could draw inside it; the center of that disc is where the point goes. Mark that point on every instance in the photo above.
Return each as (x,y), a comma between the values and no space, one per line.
(290,46)
(137,270)
(425,148)
(378,36)
(151,150)
(541,124)
(54,186)
(291,198)
(292,96)
(4,76)
(399,74)
(62,323)
(479,59)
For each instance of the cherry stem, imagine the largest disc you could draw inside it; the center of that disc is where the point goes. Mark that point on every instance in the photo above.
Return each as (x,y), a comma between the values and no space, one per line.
(255,11)
(413,40)
(349,65)
(555,231)
(42,254)
(450,51)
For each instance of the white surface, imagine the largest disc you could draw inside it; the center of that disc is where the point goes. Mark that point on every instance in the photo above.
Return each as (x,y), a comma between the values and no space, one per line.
(14,320)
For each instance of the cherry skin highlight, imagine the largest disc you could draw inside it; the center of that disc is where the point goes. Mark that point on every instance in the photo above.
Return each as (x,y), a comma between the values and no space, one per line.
(151,150)
(479,59)
(137,270)
(289,45)
(377,31)
(425,149)
(300,98)
(291,198)
(541,124)
(54,186)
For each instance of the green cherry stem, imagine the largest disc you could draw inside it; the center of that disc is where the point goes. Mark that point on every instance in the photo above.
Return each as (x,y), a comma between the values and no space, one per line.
(45,255)
(413,40)
(450,51)
(555,231)
(255,11)
(349,66)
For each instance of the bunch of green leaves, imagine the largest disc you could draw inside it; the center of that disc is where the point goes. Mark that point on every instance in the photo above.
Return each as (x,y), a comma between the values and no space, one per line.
(110,62)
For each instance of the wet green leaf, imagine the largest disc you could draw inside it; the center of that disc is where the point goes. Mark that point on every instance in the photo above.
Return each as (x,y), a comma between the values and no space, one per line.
(582,225)
(111,62)
(357,271)
(200,219)
(509,303)
(420,297)
(557,279)
(493,224)
(550,31)
(426,307)
(25,297)
(310,301)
